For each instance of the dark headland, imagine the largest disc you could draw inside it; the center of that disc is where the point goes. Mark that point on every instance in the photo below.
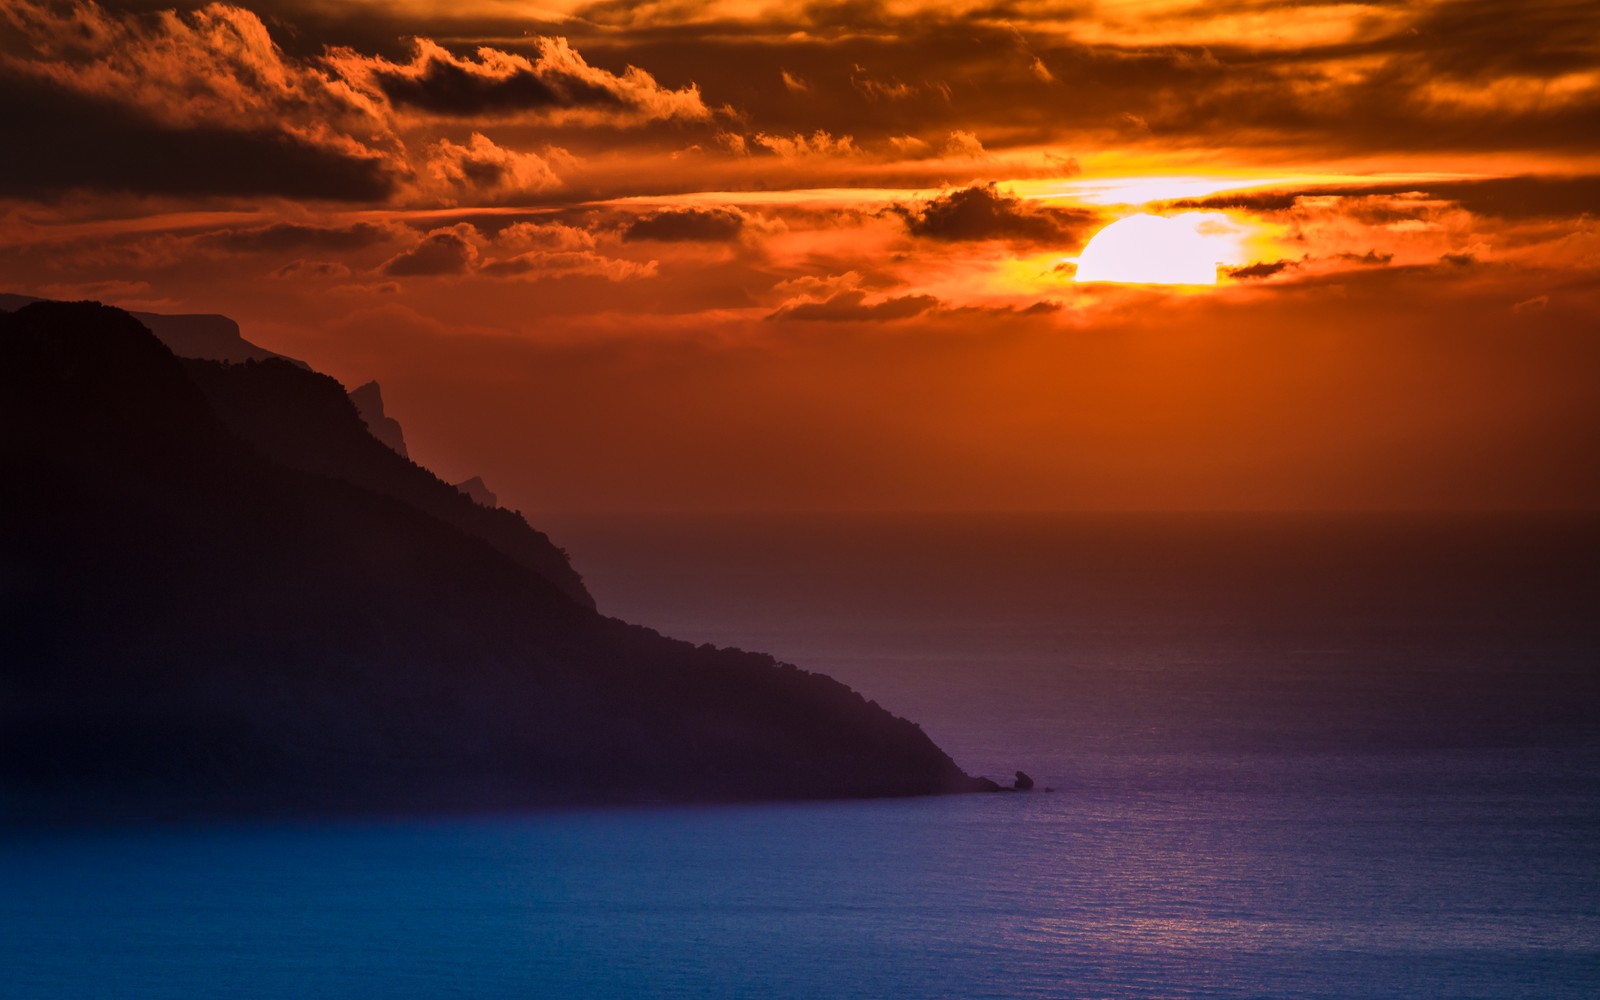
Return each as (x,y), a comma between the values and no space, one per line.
(222,594)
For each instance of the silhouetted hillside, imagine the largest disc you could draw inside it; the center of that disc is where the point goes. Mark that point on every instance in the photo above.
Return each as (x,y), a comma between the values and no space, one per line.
(188,335)
(304,420)
(298,423)
(191,621)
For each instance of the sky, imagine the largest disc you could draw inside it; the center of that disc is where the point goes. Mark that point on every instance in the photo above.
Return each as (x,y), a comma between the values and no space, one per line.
(855,256)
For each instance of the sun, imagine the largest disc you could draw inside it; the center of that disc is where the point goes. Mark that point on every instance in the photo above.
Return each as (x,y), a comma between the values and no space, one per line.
(1153,250)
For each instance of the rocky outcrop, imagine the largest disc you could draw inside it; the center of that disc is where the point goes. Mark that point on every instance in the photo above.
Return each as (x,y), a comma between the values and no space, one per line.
(478,492)
(368,400)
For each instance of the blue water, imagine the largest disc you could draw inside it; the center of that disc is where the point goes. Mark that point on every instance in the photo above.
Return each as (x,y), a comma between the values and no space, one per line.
(1290,760)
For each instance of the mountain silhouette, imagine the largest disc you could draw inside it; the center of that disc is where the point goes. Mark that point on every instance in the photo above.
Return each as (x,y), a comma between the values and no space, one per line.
(478,491)
(188,335)
(368,400)
(217,598)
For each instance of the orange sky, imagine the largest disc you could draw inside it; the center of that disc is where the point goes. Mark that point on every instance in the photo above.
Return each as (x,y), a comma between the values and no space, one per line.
(796,256)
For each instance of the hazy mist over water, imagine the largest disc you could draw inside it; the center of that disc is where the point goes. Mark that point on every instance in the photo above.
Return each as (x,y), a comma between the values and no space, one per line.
(1308,756)
(1055,642)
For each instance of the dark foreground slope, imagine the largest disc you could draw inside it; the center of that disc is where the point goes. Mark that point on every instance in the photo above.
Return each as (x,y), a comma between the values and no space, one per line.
(189,624)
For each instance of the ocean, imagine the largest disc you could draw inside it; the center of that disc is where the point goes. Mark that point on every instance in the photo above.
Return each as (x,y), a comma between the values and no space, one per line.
(1330,756)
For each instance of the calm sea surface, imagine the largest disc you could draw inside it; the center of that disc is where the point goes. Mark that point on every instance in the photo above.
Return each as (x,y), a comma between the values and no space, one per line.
(1291,756)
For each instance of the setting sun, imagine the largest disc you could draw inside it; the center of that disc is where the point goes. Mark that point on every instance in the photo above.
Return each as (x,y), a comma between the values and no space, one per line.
(1150,249)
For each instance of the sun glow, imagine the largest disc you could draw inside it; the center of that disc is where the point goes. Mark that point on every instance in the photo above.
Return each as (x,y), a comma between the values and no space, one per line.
(1158,250)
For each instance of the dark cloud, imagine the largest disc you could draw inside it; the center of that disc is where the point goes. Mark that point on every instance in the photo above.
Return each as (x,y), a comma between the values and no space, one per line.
(1520,197)
(1271,201)
(933,80)
(1478,39)
(61,141)
(287,236)
(326,94)
(1464,259)
(848,307)
(1260,269)
(441,252)
(688,225)
(501,83)
(1043,307)
(311,269)
(1458,74)
(982,212)
(538,265)
(1371,258)
(1524,197)
(439,83)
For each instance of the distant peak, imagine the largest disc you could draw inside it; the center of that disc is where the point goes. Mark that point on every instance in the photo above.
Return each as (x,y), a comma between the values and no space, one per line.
(368,398)
(368,401)
(478,491)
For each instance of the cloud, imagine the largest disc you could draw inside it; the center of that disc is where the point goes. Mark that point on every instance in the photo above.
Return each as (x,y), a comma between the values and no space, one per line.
(316,270)
(206,102)
(1525,196)
(558,251)
(852,306)
(441,252)
(818,143)
(288,236)
(61,141)
(1044,307)
(556,83)
(910,146)
(1445,75)
(880,90)
(544,236)
(538,265)
(215,66)
(1371,258)
(1260,269)
(199,101)
(1063,166)
(963,144)
(549,250)
(706,225)
(983,212)
(485,170)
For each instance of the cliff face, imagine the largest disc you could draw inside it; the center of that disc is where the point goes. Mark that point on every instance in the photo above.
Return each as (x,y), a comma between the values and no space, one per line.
(368,401)
(202,611)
